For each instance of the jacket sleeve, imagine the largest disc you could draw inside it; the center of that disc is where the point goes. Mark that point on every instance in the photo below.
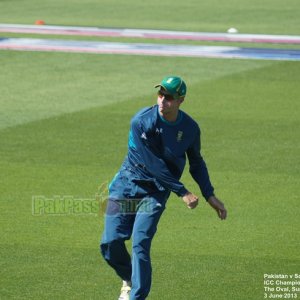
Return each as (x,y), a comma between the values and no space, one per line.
(198,167)
(143,142)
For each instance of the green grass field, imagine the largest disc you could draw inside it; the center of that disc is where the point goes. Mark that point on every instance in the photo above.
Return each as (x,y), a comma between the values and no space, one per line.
(64,123)
(268,16)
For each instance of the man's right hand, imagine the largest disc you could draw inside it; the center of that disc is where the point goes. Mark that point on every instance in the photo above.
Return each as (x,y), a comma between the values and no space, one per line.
(190,199)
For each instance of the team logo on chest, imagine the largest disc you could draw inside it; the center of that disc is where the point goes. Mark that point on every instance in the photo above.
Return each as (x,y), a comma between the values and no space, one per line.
(179,136)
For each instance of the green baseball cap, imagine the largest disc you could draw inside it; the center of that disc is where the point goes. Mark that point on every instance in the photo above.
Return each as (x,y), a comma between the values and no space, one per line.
(174,86)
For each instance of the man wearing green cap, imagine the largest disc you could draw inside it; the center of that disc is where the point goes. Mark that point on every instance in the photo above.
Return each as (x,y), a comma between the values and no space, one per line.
(160,139)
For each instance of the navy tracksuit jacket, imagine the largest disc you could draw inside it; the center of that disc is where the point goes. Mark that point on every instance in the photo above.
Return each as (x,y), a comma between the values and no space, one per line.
(158,149)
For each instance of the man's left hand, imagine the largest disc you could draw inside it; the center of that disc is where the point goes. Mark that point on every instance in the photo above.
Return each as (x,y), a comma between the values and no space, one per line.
(219,207)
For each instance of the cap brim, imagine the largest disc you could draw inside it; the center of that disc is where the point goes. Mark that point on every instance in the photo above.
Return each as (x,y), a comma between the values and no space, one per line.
(164,89)
(176,96)
(159,85)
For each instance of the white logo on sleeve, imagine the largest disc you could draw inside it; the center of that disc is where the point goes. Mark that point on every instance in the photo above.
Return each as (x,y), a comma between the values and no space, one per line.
(143,136)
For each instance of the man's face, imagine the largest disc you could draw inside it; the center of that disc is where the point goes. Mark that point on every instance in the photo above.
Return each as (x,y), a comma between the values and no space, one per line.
(166,103)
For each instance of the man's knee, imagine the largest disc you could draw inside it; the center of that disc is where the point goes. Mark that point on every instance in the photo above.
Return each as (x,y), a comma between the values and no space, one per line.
(141,245)
(114,251)
(109,249)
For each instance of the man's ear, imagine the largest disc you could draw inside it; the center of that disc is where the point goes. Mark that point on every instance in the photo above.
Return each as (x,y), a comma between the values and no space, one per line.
(181,99)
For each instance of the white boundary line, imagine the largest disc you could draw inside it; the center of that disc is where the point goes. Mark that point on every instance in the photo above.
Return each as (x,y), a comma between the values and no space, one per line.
(145,33)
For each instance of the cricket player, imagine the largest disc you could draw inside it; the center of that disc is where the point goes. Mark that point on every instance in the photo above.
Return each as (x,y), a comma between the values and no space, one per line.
(160,139)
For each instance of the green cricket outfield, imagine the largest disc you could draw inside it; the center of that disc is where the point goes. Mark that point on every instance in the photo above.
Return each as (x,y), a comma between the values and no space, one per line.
(64,123)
